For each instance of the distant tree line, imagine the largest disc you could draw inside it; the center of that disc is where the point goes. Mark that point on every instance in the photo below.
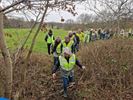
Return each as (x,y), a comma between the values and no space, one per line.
(83,21)
(17,23)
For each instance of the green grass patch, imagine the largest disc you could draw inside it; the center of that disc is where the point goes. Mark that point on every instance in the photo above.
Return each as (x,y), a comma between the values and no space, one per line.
(19,35)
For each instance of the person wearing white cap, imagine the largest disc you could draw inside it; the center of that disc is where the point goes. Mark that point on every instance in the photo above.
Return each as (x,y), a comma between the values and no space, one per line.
(66,63)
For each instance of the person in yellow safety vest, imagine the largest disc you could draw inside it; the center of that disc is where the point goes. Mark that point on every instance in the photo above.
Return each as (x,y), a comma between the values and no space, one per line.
(130,32)
(66,63)
(49,38)
(68,43)
(87,37)
(57,49)
(80,34)
(71,36)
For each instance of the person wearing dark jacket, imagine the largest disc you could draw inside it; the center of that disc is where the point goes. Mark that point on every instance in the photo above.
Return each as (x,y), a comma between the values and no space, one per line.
(49,38)
(100,34)
(66,63)
(76,43)
(57,49)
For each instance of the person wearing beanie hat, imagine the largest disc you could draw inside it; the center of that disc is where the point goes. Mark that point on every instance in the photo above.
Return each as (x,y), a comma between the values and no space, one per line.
(66,63)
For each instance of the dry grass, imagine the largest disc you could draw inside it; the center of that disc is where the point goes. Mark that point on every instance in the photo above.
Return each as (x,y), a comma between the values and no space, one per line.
(108,76)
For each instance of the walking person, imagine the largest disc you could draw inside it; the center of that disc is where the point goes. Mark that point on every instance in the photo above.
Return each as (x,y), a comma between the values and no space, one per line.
(76,43)
(68,43)
(80,34)
(100,33)
(66,63)
(130,32)
(87,37)
(49,38)
(57,49)
(70,35)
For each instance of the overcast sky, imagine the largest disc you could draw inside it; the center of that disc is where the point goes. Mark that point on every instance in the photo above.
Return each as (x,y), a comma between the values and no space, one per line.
(53,16)
(56,16)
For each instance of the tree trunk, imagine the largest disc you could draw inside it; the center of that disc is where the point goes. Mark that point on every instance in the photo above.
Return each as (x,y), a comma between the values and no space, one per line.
(32,45)
(21,47)
(37,32)
(29,33)
(7,60)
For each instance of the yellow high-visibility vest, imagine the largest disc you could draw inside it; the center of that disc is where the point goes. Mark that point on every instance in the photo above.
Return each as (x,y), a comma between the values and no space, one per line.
(50,39)
(65,65)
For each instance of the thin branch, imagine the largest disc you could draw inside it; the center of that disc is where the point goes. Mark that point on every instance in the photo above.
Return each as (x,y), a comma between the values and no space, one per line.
(12,5)
(21,47)
(39,27)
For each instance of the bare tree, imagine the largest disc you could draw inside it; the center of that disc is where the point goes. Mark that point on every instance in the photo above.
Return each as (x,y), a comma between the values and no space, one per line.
(26,7)
(21,47)
(84,18)
(69,24)
(34,38)
(7,59)
(109,10)
(70,21)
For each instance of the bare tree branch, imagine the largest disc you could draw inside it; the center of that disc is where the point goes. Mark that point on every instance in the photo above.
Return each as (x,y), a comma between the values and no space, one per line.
(36,34)
(12,5)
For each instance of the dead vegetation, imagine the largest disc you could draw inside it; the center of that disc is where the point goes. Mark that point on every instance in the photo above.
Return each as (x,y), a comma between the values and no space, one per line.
(108,76)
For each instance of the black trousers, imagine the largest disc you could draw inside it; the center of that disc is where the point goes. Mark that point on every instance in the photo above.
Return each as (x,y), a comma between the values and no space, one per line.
(49,48)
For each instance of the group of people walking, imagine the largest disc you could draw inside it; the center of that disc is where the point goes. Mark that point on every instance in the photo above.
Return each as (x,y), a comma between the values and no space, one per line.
(64,55)
(64,51)
(72,41)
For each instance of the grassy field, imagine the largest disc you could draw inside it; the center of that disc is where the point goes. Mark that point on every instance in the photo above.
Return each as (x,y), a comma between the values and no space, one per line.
(18,35)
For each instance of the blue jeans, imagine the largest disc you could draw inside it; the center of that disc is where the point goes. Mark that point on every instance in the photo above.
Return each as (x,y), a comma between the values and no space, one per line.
(76,48)
(66,81)
(56,59)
